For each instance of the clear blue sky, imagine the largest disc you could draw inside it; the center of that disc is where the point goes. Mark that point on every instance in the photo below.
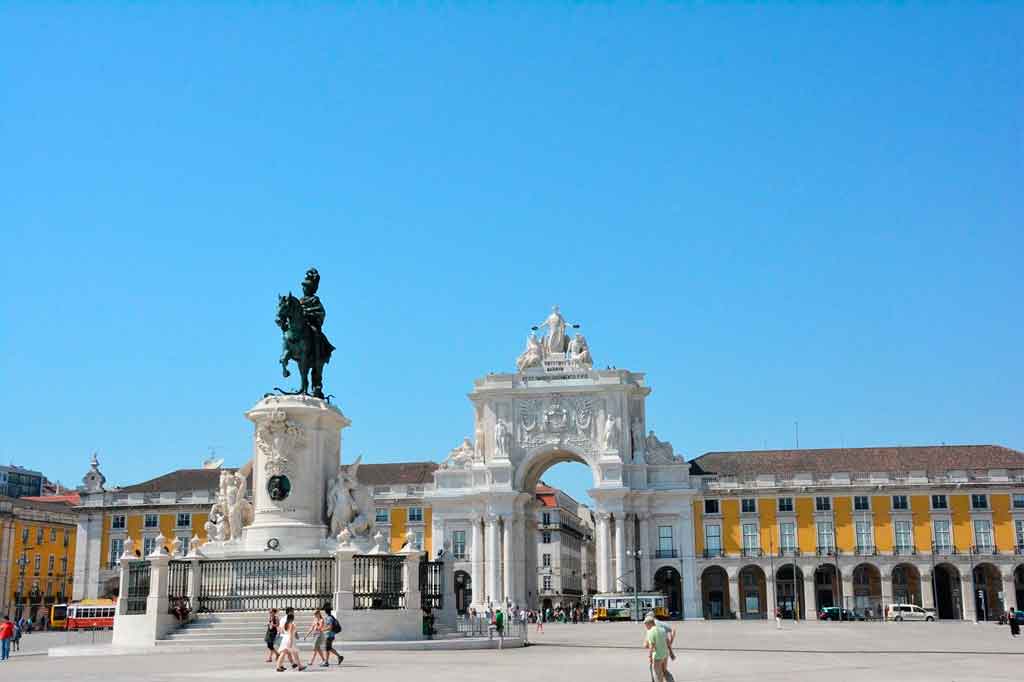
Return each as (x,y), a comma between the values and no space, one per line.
(780,213)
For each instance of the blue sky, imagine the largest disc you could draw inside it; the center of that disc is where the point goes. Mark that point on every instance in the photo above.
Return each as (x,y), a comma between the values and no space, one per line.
(779,212)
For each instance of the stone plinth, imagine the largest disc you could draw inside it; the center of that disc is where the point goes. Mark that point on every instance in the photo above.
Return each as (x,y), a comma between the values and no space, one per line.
(296,448)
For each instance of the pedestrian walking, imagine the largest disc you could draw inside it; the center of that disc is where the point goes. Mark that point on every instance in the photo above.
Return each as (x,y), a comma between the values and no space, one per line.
(6,635)
(271,636)
(1011,618)
(540,622)
(16,640)
(778,618)
(289,648)
(332,627)
(656,644)
(317,628)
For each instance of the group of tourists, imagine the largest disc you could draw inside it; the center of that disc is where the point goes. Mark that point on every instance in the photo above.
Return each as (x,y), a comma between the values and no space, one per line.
(282,638)
(10,635)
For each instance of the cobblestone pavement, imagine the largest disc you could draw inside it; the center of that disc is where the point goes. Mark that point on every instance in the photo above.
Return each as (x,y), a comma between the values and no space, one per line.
(611,652)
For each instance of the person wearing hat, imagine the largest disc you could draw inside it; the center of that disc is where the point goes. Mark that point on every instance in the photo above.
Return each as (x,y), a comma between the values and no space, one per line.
(656,642)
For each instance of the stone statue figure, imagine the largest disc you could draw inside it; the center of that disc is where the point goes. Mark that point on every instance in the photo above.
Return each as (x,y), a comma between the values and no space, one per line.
(478,441)
(239,511)
(176,546)
(554,340)
(611,432)
(502,440)
(579,352)
(301,322)
(349,504)
(533,356)
(460,457)
(659,452)
(193,546)
(639,442)
(129,548)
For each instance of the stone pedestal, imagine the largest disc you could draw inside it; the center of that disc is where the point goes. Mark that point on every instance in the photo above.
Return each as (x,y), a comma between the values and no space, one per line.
(297,451)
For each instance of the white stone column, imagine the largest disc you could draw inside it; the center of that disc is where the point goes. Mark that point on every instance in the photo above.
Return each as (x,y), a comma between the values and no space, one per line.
(769,594)
(477,579)
(734,596)
(1009,590)
(693,600)
(927,586)
(810,604)
(967,603)
(493,565)
(344,574)
(411,576)
(846,595)
(620,550)
(601,542)
(647,549)
(507,557)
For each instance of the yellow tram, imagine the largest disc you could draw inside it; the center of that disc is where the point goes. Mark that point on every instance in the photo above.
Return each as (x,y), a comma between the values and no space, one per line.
(624,606)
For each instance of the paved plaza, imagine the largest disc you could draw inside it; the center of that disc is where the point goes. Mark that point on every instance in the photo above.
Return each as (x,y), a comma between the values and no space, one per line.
(610,652)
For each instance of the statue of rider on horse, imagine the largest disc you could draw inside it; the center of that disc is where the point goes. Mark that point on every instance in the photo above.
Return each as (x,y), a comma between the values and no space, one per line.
(303,340)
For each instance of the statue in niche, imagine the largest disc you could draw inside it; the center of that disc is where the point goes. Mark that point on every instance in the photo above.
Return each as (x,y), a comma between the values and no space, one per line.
(579,352)
(349,504)
(478,449)
(611,432)
(461,456)
(637,432)
(533,356)
(502,440)
(554,341)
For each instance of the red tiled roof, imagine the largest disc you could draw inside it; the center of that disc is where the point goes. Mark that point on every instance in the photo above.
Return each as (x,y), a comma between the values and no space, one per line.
(67,498)
(396,473)
(935,459)
(181,480)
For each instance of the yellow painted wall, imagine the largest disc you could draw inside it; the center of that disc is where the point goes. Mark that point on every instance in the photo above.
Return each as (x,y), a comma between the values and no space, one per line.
(134,526)
(880,506)
(732,532)
(698,527)
(842,510)
(199,525)
(919,506)
(959,505)
(1002,522)
(167,529)
(769,533)
(427,531)
(62,582)
(806,536)
(398,527)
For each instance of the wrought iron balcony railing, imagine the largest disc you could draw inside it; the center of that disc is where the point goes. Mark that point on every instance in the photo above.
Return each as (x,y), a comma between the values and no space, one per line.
(826,551)
(904,550)
(752,552)
(789,551)
(866,550)
(714,553)
(943,549)
(984,549)
(666,554)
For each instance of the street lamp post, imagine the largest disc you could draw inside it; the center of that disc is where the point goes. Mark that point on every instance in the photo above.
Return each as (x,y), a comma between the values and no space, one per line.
(636,554)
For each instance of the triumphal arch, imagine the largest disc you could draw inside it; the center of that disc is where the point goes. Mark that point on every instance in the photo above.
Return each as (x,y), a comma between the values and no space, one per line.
(557,407)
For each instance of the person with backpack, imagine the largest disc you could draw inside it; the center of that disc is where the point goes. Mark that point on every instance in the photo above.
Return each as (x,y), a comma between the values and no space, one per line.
(332,629)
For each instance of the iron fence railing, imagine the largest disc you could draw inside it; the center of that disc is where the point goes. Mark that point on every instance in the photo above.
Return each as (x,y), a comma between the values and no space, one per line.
(138,587)
(258,584)
(377,582)
(431,584)
(178,573)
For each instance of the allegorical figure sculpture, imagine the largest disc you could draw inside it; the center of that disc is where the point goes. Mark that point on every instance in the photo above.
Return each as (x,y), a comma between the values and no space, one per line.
(461,456)
(349,505)
(639,442)
(579,352)
(611,432)
(554,340)
(301,322)
(502,440)
(532,356)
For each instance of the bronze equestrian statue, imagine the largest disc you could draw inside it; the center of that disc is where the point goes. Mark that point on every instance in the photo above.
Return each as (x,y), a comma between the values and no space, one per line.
(303,341)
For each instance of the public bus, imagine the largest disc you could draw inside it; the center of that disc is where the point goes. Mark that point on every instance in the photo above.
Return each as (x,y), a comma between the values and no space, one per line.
(91,614)
(624,606)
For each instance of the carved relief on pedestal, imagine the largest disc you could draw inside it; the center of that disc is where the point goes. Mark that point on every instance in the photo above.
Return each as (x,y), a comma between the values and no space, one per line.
(277,438)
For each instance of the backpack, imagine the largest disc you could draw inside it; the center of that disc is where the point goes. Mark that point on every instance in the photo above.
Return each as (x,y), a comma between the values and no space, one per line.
(335,625)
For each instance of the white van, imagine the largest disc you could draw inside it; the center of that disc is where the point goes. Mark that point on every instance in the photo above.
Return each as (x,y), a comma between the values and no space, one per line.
(909,612)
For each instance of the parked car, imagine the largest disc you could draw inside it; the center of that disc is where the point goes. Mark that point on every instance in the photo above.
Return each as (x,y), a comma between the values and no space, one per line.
(834,613)
(909,612)
(1018,616)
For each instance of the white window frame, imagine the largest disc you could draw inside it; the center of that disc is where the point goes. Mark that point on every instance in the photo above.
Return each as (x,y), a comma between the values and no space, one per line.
(670,537)
(1013,501)
(545,537)
(947,545)
(945,501)
(817,505)
(377,515)
(116,550)
(183,541)
(751,540)
(419,514)
(546,560)
(718,506)
(118,522)
(819,528)
(717,535)
(148,545)
(188,520)
(547,583)
(904,498)
(145,521)
(989,543)
(868,536)
(778,505)
(783,545)
(983,496)
(743,501)
(456,535)
(908,526)
(865,497)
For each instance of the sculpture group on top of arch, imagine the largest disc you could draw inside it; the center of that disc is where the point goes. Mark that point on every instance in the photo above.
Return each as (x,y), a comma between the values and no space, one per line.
(555,345)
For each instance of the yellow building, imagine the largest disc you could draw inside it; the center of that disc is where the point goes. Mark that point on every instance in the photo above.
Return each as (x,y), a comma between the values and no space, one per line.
(37,550)
(939,527)
(175,505)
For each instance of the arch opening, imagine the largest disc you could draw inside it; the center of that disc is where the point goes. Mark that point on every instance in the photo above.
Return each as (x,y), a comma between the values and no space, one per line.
(789,592)
(753,592)
(988,584)
(463,592)
(947,592)
(714,586)
(826,587)
(668,581)
(867,593)
(906,584)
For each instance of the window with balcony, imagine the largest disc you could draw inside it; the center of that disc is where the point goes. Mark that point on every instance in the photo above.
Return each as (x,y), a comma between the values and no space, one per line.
(983,536)
(748,505)
(546,560)
(823,503)
(899,503)
(666,542)
(53,535)
(545,537)
(184,520)
(940,502)
(148,545)
(116,550)
(39,535)
(416,514)
(24,536)
(381,515)
(751,539)
(710,506)
(38,563)
(67,538)
(459,544)
(865,543)
(50,563)
(787,537)
(904,536)
(151,521)
(826,539)
(861,503)
(547,583)
(943,537)
(785,504)
(979,501)
(545,518)
(1018,527)
(713,540)
(417,540)
(117,522)
(1018,501)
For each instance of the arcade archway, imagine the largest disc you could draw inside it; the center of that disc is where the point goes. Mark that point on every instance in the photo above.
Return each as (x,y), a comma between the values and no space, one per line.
(463,591)
(714,586)
(988,583)
(753,592)
(668,581)
(867,592)
(789,592)
(947,592)
(826,587)
(906,584)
